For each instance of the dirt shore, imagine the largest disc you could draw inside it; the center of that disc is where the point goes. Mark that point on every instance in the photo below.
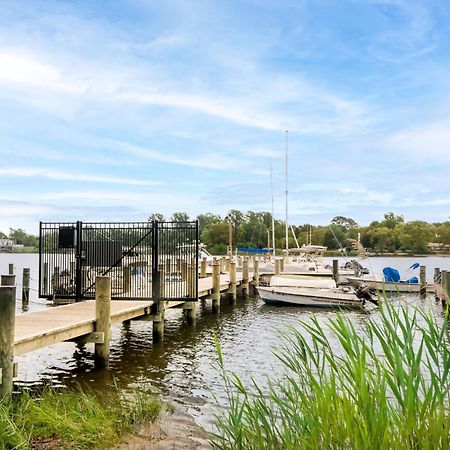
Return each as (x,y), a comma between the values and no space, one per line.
(172,431)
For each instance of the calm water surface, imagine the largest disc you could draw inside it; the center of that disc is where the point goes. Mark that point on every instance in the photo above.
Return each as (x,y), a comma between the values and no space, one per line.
(183,367)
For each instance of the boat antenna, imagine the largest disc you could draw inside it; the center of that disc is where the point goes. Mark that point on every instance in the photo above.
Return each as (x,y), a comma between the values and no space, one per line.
(286,169)
(273,213)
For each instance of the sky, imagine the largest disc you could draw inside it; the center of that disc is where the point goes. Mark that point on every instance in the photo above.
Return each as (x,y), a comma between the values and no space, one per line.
(114,110)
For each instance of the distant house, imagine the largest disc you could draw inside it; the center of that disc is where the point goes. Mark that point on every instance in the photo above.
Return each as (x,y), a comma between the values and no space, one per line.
(438,247)
(7,245)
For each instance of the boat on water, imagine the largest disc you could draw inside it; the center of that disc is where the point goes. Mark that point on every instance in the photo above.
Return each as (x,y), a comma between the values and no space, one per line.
(343,296)
(312,291)
(391,281)
(388,286)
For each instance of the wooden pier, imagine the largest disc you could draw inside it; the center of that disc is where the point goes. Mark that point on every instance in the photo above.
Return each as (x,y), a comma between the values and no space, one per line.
(90,321)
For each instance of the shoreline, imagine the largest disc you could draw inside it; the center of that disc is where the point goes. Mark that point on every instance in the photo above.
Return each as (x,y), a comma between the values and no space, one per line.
(173,429)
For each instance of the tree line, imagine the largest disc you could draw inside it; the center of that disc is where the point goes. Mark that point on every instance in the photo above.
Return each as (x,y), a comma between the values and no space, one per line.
(21,237)
(250,229)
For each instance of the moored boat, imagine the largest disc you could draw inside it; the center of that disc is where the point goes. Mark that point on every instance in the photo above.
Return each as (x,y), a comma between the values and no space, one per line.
(344,296)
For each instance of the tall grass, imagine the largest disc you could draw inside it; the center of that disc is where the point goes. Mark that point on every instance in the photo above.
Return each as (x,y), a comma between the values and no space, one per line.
(73,419)
(385,386)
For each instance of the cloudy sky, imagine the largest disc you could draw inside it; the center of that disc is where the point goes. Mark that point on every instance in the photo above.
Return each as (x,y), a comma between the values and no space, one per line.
(113,110)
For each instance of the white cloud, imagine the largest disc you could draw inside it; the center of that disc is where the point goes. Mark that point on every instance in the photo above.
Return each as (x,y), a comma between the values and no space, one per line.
(61,175)
(423,141)
(208,161)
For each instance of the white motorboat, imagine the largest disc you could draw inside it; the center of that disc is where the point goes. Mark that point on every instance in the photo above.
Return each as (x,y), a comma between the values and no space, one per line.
(343,296)
(388,286)
(306,281)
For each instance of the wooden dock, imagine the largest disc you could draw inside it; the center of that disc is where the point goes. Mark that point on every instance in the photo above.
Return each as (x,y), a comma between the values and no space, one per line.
(90,321)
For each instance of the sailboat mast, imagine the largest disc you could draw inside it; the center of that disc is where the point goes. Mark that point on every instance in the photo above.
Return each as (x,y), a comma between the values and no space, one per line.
(287,226)
(273,219)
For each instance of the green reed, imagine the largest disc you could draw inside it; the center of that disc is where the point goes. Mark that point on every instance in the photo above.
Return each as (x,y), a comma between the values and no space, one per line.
(77,419)
(386,385)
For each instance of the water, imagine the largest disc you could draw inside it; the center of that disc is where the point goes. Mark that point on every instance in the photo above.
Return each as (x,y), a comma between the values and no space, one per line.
(183,367)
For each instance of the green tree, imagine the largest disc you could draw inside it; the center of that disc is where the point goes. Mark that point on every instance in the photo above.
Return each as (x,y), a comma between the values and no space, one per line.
(207,219)
(180,217)
(156,217)
(344,222)
(391,220)
(23,238)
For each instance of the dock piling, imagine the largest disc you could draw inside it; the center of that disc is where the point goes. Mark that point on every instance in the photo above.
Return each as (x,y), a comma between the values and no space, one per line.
(7,321)
(356,271)
(103,320)
(423,282)
(436,282)
(443,290)
(277,266)
(256,272)
(26,285)
(8,280)
(126,279)
(233,295)
(203,268)
(216,285)
(245,278)
(335,270)
(446,285)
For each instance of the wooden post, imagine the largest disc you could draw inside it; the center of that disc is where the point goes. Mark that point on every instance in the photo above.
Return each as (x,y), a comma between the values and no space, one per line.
(183,270)
(26,285)
(45,278)
(245,278)
(443,289)
(191,279)
(335,270)
(11,269)
(158,323)
(162,281)
(233,295)
(256,272)
(126,280)
(102,320)
(7,318)
(356,271)
(282,262)
(55,282)
(423,282)
(222,265)
(8,280)
(216,285)
(277,266)
(203,268)
(436,282)
(72,268)
(447,285)
(191,307)
(227,264)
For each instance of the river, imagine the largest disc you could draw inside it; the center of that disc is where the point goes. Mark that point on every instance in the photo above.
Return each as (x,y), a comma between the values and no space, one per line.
(183,367)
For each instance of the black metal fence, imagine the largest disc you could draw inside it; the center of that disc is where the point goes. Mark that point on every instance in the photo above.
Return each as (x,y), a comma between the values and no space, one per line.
(145,260)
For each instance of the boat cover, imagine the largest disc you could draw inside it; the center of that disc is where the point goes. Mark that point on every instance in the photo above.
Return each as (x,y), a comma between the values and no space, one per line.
(412,280)
(391,274)
(254,250)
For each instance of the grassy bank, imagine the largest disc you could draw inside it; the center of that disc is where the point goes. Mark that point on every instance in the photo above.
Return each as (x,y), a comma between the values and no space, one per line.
(384,387)
(61,419)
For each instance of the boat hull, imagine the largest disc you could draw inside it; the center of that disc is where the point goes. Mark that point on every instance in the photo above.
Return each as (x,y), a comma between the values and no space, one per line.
(309,297)
(389,286)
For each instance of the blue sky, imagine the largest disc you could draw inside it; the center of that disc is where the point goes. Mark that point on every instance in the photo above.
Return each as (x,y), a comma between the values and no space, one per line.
(113,110)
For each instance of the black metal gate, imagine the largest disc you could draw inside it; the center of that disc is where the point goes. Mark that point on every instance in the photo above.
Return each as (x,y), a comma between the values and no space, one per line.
(157,260)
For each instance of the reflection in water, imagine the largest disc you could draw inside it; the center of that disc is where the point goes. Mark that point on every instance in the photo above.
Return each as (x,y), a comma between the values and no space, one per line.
(183,367)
